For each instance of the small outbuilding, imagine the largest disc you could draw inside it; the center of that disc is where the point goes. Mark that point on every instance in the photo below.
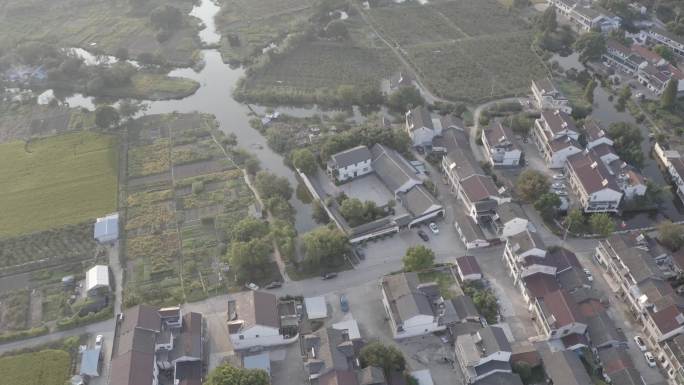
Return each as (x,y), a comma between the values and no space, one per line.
(316,307)
(90,363)
(107,228)
(258,361)
(97,278)
(468,268)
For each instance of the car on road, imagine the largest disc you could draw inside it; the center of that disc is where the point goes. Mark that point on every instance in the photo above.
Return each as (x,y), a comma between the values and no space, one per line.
(559,177)
(588,274)
(423,235)
(99,340)
(252,286)
(558,185)
(328,276)
(433,227)
(650,360)
(640,343)
(273,285)
(344,303)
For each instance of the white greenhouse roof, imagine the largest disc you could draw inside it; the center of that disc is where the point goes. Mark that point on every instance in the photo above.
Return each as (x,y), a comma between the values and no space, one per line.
(107,228)
(316,307)
(97,276)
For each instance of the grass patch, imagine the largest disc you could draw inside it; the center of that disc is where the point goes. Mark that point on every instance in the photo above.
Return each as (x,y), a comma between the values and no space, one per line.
(443,278)
(47,367)
(56,181)
(154,87)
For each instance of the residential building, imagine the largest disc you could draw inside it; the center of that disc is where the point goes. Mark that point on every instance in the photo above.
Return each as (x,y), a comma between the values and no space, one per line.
(328,350)
(483,353)
(413,308)
(675,168)
(595,186)
(595,135)
(349,164)
(500,149)
(621,57)
(254,321)
(468,269)
(556,135)
(519,247)
(500,378)
(97,279)
(559,315)
(673,358)
(511,219)
(153,341)
(465,310)
(586,17)
(548,97)
(469,232)
(423,127)
(660,36)
(564,367)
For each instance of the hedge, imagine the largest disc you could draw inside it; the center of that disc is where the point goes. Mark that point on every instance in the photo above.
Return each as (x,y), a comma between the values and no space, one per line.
(23,334)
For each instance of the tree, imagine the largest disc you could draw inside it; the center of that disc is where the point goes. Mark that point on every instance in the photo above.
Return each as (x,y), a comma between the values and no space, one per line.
(671,235)
(665,53)
(166,17)
(589,91)
(129,108)
(627,140)
(547,204)
(280,208)
(388,358)
(121,53)
(325,247)
(669,96)
(418,258)
(249,258)
(336,29)
(531,184)
(227,374)
(406,97)
(575,221)
(521,3)
(304,160)
(106,117)
(252,165)
(353,211)
(601,224)
(249,228)
(547,21)
(591,46)
(270,185)
(319,215)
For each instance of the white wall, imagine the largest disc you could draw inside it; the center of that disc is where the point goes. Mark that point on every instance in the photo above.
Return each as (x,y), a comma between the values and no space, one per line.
(421,136)
(354,170)
(257,335)
(418,326)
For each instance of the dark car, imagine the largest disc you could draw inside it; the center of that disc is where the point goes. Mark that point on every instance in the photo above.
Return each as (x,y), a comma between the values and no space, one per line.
(328,275)
(273,285)
(423,235)
(344,304)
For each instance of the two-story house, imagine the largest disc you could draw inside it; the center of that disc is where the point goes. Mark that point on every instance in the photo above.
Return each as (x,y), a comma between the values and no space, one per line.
(559,316)
(254,321)
(595,135)
(548,97)
(500,149)
(349,164)
(422,127)
(483,353)
(595,186)
(660,36)
(511,219)
(412,307)
(556,135)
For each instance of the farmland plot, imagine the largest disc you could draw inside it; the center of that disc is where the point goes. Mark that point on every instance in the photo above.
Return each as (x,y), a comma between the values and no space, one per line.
(408,25)
(481,17)
(47,367)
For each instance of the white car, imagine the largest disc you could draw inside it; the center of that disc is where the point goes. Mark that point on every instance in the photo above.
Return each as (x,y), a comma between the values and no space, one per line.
(558,186)
(252,286)
(99,340)
(640,343)
(650,359)
(433,227)
(559,177)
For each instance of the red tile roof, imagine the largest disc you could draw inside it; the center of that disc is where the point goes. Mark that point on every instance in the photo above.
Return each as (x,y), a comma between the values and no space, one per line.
(574,339)
(667,319)
(478,188)
(468,265)
(562,307)
(539,285)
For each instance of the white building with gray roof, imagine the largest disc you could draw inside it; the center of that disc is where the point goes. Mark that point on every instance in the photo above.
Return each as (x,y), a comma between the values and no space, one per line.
(349,164)
(483,353)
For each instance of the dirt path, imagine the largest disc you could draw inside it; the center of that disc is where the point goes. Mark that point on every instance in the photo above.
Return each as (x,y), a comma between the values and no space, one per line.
(36,309)
(472,137)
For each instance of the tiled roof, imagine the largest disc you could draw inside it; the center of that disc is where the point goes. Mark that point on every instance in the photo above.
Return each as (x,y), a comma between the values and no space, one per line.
(558,121)
(539,285)
(351,156)
(468,265)
(562,307)
(615,358)
(405,299)
(479,187)
(668,319)
(593,175)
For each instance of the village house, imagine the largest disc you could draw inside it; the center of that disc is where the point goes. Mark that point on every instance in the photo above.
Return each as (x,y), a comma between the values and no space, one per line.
(468,231)
(500,149)
(423,127)
(559,317)
(350,164)
(594,185)
(556,135)
(586,18)
(483,353)
(548,97)
(511,219)
(660,36)
(564,367)
(468,268)
(595,135)
(254,321)
(412,307)
(674,358)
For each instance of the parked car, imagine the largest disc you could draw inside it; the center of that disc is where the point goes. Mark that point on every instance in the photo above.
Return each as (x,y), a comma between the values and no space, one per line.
(328,276)
(273,285)
(559,177)
(562,193)
(252,286)
(99,340)
(640,343)
(344,304)
(680,289)
(589,276)
(650,359)
(558,185)
(433,227)
(423,235)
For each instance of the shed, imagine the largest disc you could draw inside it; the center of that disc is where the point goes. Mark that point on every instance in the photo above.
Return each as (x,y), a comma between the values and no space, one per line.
(90,363)
(97,277)
(423,377)
(258,361)
(107,228)
(316,307)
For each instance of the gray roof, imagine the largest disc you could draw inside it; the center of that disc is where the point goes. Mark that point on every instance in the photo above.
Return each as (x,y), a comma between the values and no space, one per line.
(421,118)
(465,307)
(189,341)
(526,241)
(639,261)
(371,375)
(494,340)
(134,359)
(351,156)
(255,308)
(500,378)
(492,365)
(419,201)
(392,169)
(564,367)
(614,358)
(459,153)
(602,330)
(545,85)
(676,344)
(258,361)
(405,299)
(572,278)
(509,211)
(469,229)
(627,376)
(90,360)
(333,350)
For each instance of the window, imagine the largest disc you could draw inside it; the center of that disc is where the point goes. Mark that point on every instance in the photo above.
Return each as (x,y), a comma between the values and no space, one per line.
(242,337)
(257,336)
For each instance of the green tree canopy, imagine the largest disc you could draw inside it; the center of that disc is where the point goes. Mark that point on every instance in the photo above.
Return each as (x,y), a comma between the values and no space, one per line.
(106,117)
(406,97)
(627,142)
(388,358)
(418,258)
(669,96)
(575,221)
(249,228)
(671,235)
(319,214)
(166,17)
(665,53)
(229,375)
(547,204)
(249,258)
(325,247)
(531,184)
(591,46)
(304,160)
(589,91)
(547,21)
(601,224)
(270,185)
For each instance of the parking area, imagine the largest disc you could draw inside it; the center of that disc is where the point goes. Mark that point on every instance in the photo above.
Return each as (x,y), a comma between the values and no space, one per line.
(214,311)
(108,339)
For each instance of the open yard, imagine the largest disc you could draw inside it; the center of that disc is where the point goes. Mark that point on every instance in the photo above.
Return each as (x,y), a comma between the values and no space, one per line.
(99,24)
(56,181)
(47,367)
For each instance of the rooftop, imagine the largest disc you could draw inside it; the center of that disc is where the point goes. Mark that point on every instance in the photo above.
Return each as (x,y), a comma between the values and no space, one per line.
(253,308)
(478,188)
(558,121)
(592,174)
(351,156)
(564,367)
(405,298)
(468,265)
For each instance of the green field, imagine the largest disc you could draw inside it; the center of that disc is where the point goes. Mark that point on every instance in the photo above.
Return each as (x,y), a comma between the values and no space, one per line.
(415,24)
(154,87)
(51,182)
(47,367)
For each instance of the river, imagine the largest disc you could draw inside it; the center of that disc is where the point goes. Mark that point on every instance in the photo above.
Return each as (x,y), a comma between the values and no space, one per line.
(214,96)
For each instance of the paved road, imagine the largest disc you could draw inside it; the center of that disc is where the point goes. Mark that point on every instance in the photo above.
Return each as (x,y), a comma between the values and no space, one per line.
(474,147)
(96,328)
